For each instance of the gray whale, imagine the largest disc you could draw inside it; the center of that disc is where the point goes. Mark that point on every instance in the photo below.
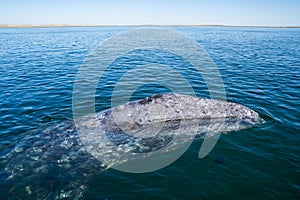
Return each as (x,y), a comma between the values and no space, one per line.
(56,163)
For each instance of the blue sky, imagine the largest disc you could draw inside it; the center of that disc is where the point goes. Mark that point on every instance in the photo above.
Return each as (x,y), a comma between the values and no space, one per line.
(226,12)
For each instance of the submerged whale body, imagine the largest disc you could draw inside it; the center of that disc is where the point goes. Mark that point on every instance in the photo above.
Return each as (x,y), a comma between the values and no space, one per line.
(57,163)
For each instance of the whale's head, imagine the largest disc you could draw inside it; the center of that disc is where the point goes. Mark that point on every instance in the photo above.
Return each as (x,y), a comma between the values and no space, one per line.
(211,115)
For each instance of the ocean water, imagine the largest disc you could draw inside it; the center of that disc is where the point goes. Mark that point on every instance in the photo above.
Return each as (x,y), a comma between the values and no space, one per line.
(260,68)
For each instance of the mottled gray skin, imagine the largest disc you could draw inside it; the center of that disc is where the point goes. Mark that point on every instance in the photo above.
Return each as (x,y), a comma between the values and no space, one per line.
(55,163)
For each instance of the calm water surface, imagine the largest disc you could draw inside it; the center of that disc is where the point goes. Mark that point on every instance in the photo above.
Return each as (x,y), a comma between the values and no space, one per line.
(260,68)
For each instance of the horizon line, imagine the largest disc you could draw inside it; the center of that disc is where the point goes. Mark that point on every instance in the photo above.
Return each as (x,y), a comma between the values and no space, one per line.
(106,25)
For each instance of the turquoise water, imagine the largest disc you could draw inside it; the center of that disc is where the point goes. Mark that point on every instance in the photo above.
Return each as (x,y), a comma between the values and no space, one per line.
(260,68)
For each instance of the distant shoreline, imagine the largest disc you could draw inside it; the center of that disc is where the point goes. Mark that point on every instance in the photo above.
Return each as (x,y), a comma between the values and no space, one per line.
(110,25)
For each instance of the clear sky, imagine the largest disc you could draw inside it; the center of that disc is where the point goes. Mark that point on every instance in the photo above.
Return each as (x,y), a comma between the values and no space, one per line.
(226,12)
